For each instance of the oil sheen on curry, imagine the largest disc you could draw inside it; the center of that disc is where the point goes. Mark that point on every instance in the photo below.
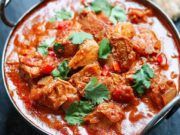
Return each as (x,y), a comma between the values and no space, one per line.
(92,67)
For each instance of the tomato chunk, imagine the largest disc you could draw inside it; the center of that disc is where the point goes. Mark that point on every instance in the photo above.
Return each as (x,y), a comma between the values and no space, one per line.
(123,94)
(161,59)
(63,25)
(47,69)
(116,66)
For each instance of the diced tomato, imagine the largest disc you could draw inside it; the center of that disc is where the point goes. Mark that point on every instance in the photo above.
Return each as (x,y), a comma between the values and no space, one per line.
(161,59)
(124,94)
(52,54)
(83,2)
(116,66)
(47,69)
(105,71)
(116,95)
(63,25)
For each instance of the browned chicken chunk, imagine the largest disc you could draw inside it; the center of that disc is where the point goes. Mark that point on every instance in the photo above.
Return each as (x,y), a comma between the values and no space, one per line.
(162,91)
(139,15)
(80,79)
(122,52)
(93,24)
(146,42)
(33,65)
(53,93)
(122,29)
(111,111)
(87,54)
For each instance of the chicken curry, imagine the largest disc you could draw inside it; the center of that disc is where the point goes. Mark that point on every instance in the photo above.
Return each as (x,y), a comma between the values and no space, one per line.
(93,67)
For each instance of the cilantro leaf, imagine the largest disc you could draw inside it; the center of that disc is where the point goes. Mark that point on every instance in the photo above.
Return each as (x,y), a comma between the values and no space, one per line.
(142,79)
(48,42)
(43,47)
(117,14)
(96,92)
(42,50)
(101,5)
(77,111)
(55,73)
(104,49)
(62,70)
(79,37)
(61,16)
(58,48)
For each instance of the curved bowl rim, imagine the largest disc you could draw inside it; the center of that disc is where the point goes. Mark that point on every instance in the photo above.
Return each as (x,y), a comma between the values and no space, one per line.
(28,12)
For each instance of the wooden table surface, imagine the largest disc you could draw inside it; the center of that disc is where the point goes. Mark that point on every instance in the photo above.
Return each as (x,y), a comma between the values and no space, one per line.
(11,123)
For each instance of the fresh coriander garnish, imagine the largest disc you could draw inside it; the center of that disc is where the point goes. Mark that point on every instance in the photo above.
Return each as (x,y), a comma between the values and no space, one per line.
(79,37)
(142,79)
(96,92)
(61,16)
(101,5)
(77,111)
(43,47)
(62,70)
(117,14)
(104,49)
(58,48)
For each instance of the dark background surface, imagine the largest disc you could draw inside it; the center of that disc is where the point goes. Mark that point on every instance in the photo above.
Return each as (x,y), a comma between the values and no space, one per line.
(11,123)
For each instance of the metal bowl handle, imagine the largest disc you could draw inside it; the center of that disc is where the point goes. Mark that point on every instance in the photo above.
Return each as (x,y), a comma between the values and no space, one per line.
(166,112)
(3,6)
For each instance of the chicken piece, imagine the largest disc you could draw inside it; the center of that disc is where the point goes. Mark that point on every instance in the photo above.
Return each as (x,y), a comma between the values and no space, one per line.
(80,79)
(65,29)
(87,54)
(33,65)
(139,15)
(53,93)
(111,111)
(124,94)
(69,49)
(127,30)
(146,42)
(122,29)
(112,81)
(162,91)
(122,52)
(103,127)
(93,24)
(30,63)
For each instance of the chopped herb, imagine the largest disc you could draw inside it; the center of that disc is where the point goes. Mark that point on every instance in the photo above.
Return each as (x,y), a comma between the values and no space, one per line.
(58,48)
(142,79)
(104,49)
(77,111)
(43,47)
(42,50)
(79,37)
(62,70)
(55,73)
(117,14)
(61,16)
(101,5)
(96,92)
